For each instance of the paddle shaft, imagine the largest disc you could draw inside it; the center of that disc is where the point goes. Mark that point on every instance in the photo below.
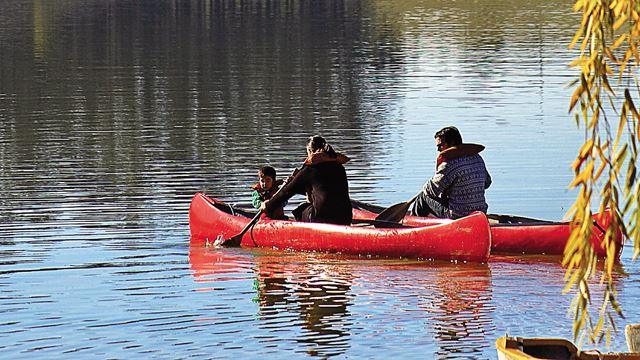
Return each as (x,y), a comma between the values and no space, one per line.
(237,239)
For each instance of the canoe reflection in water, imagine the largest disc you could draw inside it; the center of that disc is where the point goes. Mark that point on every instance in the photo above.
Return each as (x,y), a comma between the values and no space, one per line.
(462,309)
(332,299)
(319,293)
(316,292)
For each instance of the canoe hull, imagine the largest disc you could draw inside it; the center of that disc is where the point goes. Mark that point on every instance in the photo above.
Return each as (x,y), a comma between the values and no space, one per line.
(549,237)
(523,235)
(514,348)
(466,239)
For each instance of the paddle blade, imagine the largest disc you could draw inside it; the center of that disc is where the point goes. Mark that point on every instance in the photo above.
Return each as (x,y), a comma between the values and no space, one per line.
(230,242)
(236,240)
(394,213)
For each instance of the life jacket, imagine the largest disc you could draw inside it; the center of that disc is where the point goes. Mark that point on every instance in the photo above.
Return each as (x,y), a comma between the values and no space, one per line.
(321,157)
(458,151)
(267,194)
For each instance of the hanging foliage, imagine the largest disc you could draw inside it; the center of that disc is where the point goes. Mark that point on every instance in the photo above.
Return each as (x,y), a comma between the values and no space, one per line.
(605,167)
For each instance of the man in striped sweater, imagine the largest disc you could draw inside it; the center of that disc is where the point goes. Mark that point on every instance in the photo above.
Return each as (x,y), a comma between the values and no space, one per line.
(461,178)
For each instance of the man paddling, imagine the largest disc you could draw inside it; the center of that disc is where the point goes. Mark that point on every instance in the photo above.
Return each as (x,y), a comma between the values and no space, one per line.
(458,186)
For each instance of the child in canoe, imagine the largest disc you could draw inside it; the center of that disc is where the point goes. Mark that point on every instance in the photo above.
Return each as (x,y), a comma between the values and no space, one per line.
(264,189)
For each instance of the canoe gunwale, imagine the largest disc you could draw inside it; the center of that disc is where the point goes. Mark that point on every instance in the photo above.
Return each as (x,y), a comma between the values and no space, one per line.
(239,211)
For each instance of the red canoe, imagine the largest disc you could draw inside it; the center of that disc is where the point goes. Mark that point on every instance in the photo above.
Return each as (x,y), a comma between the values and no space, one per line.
(466,239)
(516,234)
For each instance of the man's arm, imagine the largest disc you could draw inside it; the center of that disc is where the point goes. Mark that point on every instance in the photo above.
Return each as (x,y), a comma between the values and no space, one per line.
(439,183)
(487,180)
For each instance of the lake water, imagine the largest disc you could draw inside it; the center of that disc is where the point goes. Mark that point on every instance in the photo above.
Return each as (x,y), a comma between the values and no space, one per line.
(114,113)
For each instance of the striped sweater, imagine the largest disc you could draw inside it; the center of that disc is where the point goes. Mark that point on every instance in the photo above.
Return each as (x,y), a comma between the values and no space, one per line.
(459,183)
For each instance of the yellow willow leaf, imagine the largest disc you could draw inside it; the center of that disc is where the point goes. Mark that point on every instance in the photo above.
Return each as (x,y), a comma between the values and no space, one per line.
(605,82)
(588,190)
(576,37)
(593,58)
(599,325)
(623,65)
(617,43)
(630,103)
(620,156)
(617,7)
(571,256)
(590,121)
(588,170)
(570,250)
(590,8)
(579,61)
(572,83)
(620,21)
(610,254)
(584,229)
(570,282)
(571,211)
(575,97)
(588,34)
(586,148)
(577,163)
(627,56)
(596,115)
(584,289)
(621,125)
(631,176)
(584,83)
(635,113)
(576,181)
(630,51)
(601,151)
(608,69)
(599,171)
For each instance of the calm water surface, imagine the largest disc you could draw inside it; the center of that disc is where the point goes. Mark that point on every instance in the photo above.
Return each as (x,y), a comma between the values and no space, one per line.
(113,114)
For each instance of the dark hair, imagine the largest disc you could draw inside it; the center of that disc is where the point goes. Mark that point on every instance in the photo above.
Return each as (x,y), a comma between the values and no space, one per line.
(317,142)
(450,135)
(268,171)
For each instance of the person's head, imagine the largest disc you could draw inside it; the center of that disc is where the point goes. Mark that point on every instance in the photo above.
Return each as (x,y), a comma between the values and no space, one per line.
(447,137)
(267,177)
(318,144)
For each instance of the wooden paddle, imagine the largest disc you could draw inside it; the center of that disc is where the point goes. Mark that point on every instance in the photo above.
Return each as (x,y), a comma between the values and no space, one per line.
(396,212)
(235,241)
